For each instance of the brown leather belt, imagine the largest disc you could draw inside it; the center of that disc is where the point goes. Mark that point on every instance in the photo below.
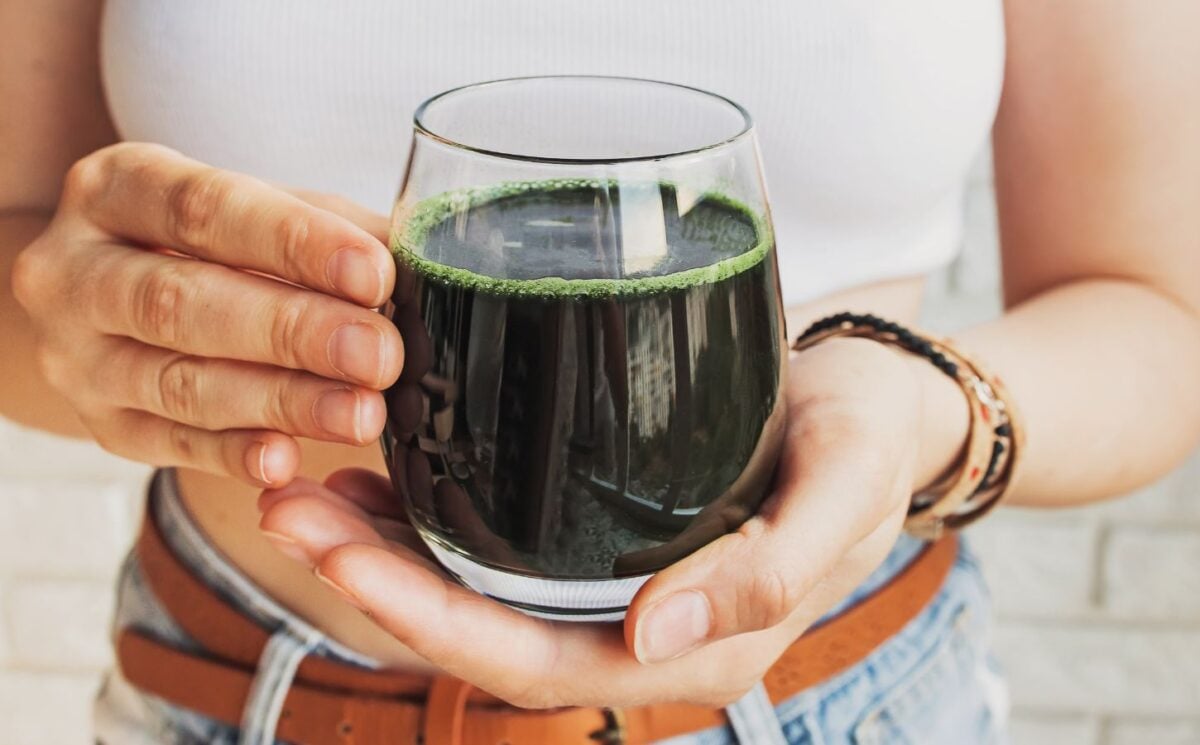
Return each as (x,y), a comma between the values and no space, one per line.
(334,703)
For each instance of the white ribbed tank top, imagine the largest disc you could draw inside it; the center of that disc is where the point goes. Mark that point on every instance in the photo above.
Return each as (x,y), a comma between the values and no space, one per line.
(869,112)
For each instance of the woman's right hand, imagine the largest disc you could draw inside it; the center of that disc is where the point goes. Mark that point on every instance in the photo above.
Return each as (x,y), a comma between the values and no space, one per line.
(160,316)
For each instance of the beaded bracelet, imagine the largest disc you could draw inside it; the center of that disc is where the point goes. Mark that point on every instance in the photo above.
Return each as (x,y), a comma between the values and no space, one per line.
(995,439)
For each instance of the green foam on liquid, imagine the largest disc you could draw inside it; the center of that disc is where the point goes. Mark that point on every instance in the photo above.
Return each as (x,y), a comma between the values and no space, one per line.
(431,212)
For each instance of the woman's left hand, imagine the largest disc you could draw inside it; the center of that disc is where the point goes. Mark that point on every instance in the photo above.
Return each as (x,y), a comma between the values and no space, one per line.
(702,631)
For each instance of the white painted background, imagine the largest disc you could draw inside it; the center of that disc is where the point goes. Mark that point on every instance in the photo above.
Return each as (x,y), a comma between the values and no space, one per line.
(1099,608)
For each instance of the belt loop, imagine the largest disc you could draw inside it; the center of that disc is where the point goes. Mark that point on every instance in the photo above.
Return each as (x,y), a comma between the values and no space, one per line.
(273,679)
(753,719)
(445,711)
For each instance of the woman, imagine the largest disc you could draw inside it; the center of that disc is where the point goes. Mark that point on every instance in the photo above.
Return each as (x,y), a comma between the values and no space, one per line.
(132,321)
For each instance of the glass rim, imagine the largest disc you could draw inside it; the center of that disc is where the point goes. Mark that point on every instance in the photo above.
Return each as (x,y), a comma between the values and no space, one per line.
(421,129)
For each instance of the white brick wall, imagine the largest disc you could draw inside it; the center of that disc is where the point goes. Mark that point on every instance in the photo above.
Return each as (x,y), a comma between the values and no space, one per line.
(1134,583)
(39,707)
(52,624)
(1059,730)
(1099,608)
(1135,732)
(67,514)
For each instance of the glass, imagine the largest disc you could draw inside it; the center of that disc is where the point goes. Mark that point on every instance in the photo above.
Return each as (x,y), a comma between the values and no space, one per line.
(593,330)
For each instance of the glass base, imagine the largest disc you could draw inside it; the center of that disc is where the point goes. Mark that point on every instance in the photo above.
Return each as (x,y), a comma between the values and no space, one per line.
(554,599)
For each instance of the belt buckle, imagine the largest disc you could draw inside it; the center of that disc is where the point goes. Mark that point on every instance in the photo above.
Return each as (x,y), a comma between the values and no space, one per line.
(613,732)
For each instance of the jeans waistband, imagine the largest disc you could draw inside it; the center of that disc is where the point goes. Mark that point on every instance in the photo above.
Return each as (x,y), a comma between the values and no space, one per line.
(194,550)
(752,717)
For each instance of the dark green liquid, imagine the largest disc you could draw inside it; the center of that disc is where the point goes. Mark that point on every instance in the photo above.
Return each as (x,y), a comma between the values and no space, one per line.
(605,422)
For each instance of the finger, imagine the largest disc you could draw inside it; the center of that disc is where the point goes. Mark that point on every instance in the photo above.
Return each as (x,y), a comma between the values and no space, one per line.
(316,525)
(308,518)
(369,220)
(369,490)
(219,394)
(213,311)
(230,219)
(306,487)
(754,578)
(257,457)
(526,661)
(708,525)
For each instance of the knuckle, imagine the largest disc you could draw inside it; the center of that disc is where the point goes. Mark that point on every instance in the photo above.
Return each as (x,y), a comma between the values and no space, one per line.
(282,406)
(54,368)
(193,206)
(87,178)
(183,445)
(160,303)
(750,532)
(765,597)
(27,277)
(769,599)
(140,163)
(290,235)
(289,319)
(92,176)
(179,388)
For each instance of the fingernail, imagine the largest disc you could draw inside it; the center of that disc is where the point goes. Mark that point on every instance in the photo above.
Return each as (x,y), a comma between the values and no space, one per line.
(339,413)
(287,546)
(356,352)
(339,590)
(265,464)
(352,272)
(673,627)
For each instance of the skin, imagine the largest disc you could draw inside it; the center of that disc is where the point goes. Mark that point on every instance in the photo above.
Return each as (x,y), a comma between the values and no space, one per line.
(1097,157)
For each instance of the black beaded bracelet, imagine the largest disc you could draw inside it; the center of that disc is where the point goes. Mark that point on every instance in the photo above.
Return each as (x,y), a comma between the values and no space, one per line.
(903,337)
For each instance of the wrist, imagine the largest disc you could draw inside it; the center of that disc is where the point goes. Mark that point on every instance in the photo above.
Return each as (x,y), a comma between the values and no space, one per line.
(943,422)
(984,458)
(904,397)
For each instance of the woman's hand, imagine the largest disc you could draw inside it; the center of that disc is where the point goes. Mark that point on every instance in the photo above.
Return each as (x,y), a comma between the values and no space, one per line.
(156,297)
(704,630)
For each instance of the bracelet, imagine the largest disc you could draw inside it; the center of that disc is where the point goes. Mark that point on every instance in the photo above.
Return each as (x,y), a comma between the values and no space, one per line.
(995,440)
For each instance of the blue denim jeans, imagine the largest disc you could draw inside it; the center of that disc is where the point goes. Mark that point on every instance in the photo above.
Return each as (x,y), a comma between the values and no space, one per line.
(933,683)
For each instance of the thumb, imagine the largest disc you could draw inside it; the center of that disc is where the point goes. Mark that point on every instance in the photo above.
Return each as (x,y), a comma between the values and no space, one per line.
(754,578)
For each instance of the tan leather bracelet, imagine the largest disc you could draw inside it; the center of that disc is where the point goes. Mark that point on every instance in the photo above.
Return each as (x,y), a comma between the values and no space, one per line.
(995,440)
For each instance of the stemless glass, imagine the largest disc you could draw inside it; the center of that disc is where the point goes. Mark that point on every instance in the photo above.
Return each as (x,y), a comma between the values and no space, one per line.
(593,331)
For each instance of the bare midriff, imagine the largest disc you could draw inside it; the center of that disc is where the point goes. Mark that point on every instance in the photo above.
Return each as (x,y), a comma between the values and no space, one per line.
(227,510)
